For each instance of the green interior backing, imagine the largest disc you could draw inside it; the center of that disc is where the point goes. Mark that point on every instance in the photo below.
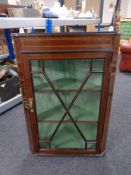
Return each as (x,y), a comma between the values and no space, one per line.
(67,77)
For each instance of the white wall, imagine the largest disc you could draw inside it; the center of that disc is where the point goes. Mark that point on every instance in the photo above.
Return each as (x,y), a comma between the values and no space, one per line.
(125,10)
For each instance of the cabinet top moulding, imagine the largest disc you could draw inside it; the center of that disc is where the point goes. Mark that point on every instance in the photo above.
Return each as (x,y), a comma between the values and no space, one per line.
(35,43)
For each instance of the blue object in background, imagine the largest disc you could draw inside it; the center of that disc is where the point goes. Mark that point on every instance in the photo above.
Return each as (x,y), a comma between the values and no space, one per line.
(32,30)
(9,43)
(99,26)
(47,13)
(49,25)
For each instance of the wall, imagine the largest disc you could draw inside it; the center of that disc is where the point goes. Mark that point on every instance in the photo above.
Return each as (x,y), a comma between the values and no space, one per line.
(124,7)
(48,3)
(128,14)
(108,12)
(125,10)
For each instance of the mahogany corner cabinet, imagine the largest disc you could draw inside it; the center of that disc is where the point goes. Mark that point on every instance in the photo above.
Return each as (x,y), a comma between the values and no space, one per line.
(67,82)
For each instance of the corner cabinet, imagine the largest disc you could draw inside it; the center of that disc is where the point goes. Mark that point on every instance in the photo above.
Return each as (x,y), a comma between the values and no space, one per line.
(67,85)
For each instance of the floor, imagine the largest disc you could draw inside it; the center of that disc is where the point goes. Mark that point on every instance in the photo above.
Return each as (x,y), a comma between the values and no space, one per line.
(16,159)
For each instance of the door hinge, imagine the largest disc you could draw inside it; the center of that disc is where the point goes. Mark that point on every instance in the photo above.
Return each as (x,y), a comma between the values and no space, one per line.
(28,104)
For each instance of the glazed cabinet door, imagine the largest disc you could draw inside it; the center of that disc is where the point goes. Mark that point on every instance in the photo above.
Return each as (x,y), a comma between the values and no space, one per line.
(66,102)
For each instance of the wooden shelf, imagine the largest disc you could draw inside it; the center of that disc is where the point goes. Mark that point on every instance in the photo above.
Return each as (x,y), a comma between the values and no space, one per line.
(68,85)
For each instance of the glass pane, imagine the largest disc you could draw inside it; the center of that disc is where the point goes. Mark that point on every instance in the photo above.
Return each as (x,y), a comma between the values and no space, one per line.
(67,136)
(68,89)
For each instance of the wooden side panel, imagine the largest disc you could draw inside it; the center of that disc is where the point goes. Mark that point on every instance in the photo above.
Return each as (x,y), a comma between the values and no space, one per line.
(103,105)
(24,90)
(110,90)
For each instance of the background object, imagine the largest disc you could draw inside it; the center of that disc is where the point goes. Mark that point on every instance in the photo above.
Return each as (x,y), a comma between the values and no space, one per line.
(125,28)
(24,12)
(125,63)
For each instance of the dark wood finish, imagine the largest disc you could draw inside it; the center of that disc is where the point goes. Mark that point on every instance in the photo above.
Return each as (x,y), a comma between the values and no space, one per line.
(68,42)
(68,46)
(110,88)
